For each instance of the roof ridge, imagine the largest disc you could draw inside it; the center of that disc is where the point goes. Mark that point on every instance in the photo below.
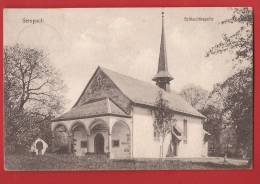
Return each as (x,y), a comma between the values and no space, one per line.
(127,76)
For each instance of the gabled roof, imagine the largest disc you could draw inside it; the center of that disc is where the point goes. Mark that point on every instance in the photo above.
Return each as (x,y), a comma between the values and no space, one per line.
(98,107)
(141,92)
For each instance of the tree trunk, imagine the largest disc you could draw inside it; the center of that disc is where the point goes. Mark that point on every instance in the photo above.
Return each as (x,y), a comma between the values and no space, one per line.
(161,147)
(162,151)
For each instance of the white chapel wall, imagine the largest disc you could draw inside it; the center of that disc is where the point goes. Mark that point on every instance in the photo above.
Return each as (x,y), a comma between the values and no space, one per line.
(144,145)
(194,145)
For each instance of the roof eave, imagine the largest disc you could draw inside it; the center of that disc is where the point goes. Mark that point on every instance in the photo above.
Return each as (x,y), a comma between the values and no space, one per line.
(90,116)
(184,113)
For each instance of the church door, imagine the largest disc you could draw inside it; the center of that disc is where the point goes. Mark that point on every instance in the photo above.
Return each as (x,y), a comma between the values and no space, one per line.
(99,144)
(175,147)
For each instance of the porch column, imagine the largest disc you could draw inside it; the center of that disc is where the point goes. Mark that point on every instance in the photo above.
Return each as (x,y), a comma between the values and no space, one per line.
(109,144)
(52,142)
(88,135)
(69,142)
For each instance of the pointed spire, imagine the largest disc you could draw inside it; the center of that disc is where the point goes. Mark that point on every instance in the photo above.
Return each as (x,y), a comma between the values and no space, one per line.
(162,66)
(163,77)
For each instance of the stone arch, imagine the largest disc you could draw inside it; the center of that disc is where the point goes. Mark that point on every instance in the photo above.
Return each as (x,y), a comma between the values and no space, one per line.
(98,123)
(121,140)
(79,139)
(121,122)
(99,126)
(61,138)
(77,124)
(60,125)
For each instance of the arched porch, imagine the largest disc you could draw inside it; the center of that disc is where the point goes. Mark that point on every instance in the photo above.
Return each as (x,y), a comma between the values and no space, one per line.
(103,136)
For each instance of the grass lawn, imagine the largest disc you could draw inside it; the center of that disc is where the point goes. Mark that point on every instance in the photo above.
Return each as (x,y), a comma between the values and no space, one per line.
(94,162)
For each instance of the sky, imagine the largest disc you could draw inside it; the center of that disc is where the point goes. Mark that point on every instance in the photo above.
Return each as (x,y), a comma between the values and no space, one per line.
(126,40)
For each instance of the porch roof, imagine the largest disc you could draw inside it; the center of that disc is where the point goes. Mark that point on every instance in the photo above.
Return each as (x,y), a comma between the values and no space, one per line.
(97,107)
(177,133)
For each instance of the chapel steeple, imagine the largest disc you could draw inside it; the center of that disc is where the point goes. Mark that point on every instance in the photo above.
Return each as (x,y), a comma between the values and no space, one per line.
(163,78)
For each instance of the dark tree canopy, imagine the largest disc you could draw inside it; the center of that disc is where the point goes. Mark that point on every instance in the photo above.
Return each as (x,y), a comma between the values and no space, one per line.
(238,105)
(233,99)
(33,93)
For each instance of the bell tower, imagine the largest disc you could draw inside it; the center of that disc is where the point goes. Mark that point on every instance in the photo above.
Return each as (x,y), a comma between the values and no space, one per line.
(163,78)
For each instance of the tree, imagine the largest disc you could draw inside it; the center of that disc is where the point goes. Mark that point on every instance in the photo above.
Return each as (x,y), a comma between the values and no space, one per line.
(212,125)
(195,96)
(213,110)
(238,101)
(239,105)
(163,119)
(32,94)
(229,114)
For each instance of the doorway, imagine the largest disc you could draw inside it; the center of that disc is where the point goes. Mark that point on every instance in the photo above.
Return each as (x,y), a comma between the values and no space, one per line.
(99,144)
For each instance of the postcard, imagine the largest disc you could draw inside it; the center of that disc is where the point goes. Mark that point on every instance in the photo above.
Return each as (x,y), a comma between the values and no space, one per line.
(128,88)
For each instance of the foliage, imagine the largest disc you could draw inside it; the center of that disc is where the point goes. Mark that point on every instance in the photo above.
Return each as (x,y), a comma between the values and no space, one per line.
(241,42)
(235,94)
(213,125)
(163,119)
(238,105)
(32,95)
(60,141)
(230,109)
(195,96)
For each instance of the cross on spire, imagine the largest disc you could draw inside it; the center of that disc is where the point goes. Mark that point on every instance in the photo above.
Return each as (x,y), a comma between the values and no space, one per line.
(163,77)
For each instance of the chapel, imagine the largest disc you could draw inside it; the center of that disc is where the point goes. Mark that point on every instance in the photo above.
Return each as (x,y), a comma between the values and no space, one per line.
(114,116)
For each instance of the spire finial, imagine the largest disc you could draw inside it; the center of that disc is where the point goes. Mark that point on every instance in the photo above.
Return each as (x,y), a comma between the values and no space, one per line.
(163,21)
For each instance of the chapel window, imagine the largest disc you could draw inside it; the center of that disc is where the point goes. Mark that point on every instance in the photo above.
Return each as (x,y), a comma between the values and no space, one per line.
(115,143)
(84,144)
(185,131)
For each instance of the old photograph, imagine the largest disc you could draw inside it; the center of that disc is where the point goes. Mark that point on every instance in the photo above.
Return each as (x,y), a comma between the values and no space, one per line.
(128,88)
